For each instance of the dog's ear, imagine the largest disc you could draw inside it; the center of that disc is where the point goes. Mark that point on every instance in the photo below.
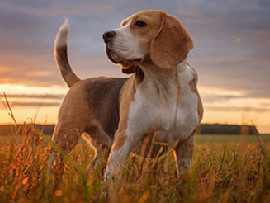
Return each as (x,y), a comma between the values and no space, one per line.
(171,44)
(129,69)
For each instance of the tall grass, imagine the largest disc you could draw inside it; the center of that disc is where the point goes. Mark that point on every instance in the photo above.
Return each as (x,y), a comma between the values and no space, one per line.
(221,172)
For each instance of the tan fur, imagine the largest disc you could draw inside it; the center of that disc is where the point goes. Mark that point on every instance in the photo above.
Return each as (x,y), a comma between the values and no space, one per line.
(68,129)
(145,35)
(199,106)
(164,38)
(126,97)
(73,120)
(193,87)
(171,44)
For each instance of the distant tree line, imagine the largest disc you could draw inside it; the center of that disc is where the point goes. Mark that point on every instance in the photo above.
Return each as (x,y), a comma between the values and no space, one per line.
(10,129)
(203,129)
(227,129)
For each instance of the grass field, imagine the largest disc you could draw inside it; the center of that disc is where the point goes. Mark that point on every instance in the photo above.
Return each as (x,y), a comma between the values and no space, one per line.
(199,139)
(225,168)
(229,139)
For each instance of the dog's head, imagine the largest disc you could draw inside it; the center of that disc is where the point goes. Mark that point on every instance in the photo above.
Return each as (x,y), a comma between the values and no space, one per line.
(150,35)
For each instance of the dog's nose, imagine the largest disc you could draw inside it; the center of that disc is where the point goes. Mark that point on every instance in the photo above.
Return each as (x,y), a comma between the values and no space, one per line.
(108,36)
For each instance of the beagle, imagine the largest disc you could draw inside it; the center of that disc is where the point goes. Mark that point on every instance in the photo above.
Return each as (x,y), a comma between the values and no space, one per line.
(118,113)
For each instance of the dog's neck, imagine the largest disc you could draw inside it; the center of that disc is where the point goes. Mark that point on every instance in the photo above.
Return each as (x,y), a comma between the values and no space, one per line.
(164,79)
(161,74)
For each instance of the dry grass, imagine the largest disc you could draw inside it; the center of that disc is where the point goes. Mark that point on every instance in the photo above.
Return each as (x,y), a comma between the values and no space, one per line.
(231,172)
(221,172)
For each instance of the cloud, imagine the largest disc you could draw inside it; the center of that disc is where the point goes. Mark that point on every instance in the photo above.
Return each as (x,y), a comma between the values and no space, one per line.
(231,40)
(264,4)
(34,104)
(42,74)
(236,108)
(34,96)
(250,78)
(53,8)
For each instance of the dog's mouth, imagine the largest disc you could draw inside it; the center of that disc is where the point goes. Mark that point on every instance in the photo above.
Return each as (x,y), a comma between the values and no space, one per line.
(112,55)
(125,63)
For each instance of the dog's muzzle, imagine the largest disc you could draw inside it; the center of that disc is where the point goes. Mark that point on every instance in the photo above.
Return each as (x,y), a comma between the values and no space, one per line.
(108,36)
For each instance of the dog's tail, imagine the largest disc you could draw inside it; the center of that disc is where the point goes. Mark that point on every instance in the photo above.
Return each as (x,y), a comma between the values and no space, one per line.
(61,56)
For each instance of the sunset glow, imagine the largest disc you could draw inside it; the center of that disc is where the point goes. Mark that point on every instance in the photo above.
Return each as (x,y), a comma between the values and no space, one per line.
(43,103)
(231,55)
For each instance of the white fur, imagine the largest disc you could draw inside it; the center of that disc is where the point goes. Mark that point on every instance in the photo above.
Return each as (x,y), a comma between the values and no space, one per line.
(177,121)
(62,36)
(126,45)
(116,158)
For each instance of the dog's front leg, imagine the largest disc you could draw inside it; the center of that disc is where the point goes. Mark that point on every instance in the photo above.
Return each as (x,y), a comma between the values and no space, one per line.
(184,153)
(119,154)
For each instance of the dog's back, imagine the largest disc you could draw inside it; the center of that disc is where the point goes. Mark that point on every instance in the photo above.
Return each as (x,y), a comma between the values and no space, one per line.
(102,96)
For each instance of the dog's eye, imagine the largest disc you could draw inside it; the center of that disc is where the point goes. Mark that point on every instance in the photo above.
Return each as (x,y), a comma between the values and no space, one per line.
(140,23)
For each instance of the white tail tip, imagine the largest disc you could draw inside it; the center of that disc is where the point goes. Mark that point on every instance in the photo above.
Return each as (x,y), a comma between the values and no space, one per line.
(61,37)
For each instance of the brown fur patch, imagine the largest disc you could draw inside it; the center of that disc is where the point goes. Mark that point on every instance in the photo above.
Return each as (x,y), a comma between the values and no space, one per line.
(171,44)
(193,87)
(68,129)
(102,96)
(127,95)
(139,75)
(193,82)
(128,70)
(92,106)
(164,38)
(199,106)
(62,60)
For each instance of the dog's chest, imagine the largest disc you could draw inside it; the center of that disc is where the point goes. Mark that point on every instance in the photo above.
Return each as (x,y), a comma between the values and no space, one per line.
(156,107)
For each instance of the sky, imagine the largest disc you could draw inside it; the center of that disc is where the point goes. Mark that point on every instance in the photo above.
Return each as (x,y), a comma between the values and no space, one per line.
(231,53)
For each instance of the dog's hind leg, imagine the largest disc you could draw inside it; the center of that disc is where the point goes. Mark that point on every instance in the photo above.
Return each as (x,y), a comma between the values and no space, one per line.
(74,117)
(65,139)
(101,142)
(99,160)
